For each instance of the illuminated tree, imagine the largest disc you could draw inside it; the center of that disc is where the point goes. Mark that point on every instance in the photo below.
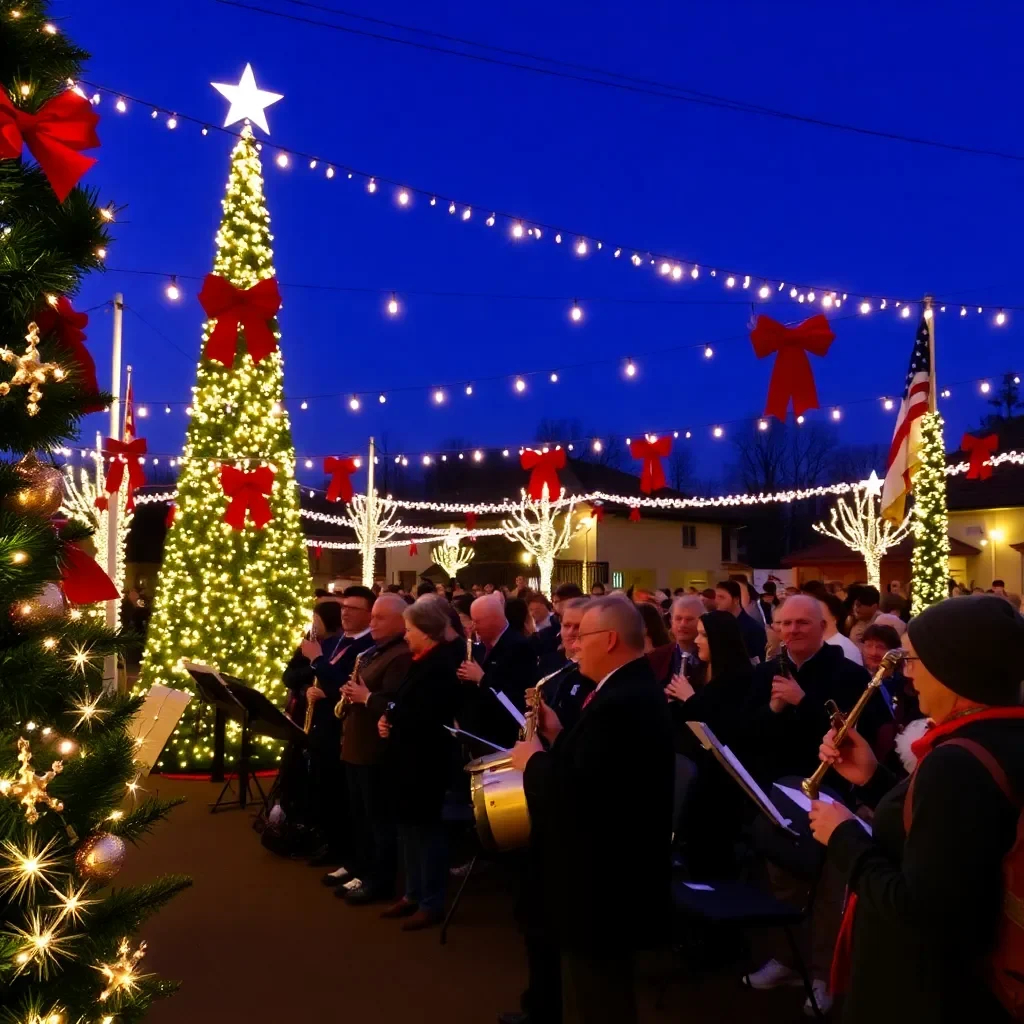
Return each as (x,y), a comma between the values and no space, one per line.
(863,529)
(929,568)
(234,598)
(66,753)
(535,525)
(373,520)
(452,556)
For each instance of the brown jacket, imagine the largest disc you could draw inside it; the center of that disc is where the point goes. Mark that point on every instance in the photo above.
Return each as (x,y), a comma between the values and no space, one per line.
(382,670)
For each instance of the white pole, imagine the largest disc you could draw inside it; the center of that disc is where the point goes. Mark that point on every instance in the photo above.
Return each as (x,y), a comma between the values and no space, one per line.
(110,663)
(370,546)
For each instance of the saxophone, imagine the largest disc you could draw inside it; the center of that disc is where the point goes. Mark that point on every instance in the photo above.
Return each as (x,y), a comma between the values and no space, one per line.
(339,708)
(532,715)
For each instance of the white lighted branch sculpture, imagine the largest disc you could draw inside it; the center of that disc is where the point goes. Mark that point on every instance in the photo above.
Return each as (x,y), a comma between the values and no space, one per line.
(373,520)
(534,524)
(451,555)
(863,529)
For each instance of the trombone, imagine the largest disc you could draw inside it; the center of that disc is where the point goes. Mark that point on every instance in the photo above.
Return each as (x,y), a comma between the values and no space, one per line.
(842,724)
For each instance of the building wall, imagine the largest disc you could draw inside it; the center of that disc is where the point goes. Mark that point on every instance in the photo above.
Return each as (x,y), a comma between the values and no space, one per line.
(997,559)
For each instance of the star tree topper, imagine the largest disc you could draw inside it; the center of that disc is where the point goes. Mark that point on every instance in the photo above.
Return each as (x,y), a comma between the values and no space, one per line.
(247,101)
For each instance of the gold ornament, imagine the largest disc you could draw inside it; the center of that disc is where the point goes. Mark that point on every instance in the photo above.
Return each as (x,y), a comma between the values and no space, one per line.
(100,856)
(122,975)
(44,487)
(29,789)
(30,371)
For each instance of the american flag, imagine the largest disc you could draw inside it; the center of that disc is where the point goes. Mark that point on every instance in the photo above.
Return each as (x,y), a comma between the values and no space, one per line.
(129,412)
(904,452)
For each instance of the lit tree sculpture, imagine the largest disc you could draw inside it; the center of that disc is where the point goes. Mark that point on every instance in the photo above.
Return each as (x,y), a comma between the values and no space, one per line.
(863,529)
(451,555)
(535,525)
(373,520)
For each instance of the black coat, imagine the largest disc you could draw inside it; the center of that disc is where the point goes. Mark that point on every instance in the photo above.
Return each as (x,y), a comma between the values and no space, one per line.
(602,800)
(331,677)
(754,637)
(509,667)
(565,693)
(717,704)
(419,752)
(928,903)
(546,641)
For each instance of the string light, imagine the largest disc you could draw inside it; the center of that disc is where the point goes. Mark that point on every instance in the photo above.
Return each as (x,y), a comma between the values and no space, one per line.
(764,291)
(304,406)
(520,385)
(597,446)
(354,403)
(554,380)
(382,398)
(677,273)
(730,281)
(172,291)
(517,230)
(718,432)
(439,397)
(120,105)
(762,424)
(985,387)
(887,404)
(801,420)
(630,368)
(836,414)
(576,313)
(467,213)
(905,312)
(403,198)
(865,306)
(469,389)
(393,305)
(708,352)
(478,456)
(1000,318)
(371,186)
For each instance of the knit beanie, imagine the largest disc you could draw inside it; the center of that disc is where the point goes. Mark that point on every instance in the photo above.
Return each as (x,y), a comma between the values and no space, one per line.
(974,646)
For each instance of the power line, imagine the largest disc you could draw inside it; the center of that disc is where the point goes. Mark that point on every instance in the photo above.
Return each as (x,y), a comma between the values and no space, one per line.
(625,83)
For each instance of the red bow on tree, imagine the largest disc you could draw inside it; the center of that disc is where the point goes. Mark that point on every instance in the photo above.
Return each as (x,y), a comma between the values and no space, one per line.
(791,375)
(68,327)
(634,514)
(251,308)
(340,487)
(652,476)
(248,493)
(55,135)
(172,512)
(978,450)
(544,467)
(81,577)
(124,453)
(413,549)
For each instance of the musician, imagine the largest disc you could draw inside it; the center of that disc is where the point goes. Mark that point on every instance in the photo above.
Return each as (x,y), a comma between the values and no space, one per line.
(601,798)
(555,657)
(332,670)
(370,875)
(418,756)
(507,664)
(918,938)
(566,690)
(298,674)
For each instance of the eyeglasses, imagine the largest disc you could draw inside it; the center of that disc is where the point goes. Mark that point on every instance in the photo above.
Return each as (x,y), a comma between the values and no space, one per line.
(594,632)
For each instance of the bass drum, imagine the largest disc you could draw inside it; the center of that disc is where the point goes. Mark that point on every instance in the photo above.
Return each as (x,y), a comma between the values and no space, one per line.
(499,803)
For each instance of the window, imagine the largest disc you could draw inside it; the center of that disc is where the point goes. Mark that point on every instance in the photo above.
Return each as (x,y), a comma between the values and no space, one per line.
(689,535)
(616,580)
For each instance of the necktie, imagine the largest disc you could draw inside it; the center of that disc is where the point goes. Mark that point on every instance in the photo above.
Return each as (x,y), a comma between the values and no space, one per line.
(589,697)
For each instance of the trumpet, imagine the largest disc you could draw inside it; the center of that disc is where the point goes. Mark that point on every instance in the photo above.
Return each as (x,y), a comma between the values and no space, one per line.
(339,708)
(842,724)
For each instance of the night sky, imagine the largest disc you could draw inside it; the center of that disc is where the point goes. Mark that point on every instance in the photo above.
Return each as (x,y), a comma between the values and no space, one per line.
(775,198)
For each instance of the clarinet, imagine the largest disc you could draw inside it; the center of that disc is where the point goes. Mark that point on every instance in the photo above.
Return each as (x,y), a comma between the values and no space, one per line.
(342,705)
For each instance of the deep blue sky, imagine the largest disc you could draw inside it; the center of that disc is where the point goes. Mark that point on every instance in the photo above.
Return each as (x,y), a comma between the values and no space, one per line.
(789,200)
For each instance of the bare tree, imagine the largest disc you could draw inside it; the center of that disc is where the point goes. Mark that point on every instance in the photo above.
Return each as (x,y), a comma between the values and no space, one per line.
(1006,401)
(784,456)
(588,445)
(680,468)
(856,461)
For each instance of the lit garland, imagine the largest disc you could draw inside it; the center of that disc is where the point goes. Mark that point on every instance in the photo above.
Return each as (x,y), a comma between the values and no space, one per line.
(373,521)
(534,524)
(451,555)
(232,597)
(929,569)
(863,529)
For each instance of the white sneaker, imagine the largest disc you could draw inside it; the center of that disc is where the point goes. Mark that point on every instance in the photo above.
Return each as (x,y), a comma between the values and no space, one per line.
(772,975)
(821,996)
(341,874)
(352,883)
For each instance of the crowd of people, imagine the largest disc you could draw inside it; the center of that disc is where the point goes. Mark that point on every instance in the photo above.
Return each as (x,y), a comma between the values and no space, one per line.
(397,690)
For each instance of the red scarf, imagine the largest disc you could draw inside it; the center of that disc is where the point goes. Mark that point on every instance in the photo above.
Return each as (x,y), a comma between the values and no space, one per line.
(842,958)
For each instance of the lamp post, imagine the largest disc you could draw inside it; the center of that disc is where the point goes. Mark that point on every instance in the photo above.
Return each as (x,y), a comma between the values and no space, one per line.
(996,536)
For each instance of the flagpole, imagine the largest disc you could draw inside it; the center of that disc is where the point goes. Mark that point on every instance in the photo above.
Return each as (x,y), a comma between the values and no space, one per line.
(110,662)
(933,391)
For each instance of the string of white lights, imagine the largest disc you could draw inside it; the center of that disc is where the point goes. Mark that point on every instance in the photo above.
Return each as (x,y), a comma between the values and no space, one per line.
(584,245)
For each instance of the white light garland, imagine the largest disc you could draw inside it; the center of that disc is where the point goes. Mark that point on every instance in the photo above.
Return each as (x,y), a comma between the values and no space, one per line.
(451,555)
(534,525)
(373,520)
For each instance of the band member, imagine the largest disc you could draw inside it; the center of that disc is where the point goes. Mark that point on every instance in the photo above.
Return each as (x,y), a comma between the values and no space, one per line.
(566,691)
(679,661)
(508,665)
(601,798)
(929,929)
(326,777)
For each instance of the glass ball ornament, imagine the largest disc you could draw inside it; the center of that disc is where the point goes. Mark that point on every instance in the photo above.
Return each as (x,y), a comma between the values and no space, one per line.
(42,488)
(100,856)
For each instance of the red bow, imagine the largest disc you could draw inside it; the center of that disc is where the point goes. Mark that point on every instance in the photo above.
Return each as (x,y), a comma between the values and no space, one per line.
(68,326)
(470,520)
(340,487)
(598,513)
(543,468)
(652,477)
(791,375)
(413,549)
(319,550)
(172,512)
(248,493)
(125,454)
(54,135)
(83,580)
(979,449)
(232,308)
(634,515)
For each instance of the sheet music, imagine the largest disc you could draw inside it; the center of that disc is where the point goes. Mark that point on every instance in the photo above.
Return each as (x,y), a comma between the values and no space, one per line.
(803,802)
(510,707)
(151,726)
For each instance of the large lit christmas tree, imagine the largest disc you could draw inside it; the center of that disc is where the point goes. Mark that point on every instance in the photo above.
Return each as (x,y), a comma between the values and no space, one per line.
(929,569)
(67,769)
(234,587)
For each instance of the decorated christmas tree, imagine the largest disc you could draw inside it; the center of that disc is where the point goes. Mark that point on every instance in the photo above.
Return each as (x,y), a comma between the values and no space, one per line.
(68,774)
(929,570)
(234,587)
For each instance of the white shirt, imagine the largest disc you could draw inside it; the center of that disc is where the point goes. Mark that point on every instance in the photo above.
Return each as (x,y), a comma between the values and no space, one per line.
(850,649)
(544,623)
(356,636)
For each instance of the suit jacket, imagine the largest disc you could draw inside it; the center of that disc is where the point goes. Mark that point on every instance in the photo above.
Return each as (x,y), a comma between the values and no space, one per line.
(565,693)
(509,667)
(299,676)
(331,674)
(601,799)
(382,670)
(545,641)
(755,639)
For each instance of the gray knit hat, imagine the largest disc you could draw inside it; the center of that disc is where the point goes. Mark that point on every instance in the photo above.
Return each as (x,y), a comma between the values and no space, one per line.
(974,646)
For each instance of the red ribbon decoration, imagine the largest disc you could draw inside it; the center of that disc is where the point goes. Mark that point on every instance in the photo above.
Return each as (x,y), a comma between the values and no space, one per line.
(978,450)
(68,325)
(172,513)
(319,550)
(652,476)
(251,308)
(248,493)
(102,502)
(55,135)
(413,549)
(634,515)
(792,377)
(125,454)
(340,487)
(598,513)
(83,580)
(543,468)
(470,520)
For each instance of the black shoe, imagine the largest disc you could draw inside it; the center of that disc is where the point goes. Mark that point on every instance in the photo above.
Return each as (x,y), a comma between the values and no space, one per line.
(341,891)
(324,858)
(515,1017)
(332,879)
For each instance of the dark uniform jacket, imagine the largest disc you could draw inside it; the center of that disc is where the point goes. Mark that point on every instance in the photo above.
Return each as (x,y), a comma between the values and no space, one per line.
(382,670)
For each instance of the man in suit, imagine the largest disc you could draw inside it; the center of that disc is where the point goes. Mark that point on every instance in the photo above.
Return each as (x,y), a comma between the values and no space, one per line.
(601,798)
(508,665)
(729,598)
